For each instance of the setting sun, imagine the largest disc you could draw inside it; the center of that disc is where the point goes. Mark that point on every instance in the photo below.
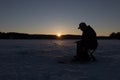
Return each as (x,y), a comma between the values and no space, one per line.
(58,35)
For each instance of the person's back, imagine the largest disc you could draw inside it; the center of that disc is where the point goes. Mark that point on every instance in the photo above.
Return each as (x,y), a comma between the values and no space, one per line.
(89,38)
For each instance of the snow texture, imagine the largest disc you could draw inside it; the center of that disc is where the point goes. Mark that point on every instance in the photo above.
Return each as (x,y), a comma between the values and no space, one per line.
(38,60)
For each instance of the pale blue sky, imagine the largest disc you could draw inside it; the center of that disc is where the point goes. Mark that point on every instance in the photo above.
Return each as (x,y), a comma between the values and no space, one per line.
(59,16)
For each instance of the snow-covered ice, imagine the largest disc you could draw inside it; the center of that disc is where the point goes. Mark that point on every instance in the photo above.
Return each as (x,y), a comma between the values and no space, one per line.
(38,60)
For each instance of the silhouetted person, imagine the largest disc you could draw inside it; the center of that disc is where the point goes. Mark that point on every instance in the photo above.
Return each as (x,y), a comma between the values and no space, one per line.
(87,44)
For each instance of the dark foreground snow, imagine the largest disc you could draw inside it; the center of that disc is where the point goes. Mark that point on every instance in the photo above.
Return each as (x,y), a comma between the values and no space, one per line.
(38,60)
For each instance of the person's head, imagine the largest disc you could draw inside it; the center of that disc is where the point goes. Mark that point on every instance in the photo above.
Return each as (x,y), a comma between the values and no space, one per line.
(82,26)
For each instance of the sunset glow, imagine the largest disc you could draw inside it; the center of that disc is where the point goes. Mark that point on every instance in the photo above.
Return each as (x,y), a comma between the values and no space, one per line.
(58,35)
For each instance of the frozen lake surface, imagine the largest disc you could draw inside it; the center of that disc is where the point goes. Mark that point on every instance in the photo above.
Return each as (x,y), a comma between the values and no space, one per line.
(38,60)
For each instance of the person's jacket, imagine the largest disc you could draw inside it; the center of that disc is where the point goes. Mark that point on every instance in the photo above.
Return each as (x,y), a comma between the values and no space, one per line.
(89,38)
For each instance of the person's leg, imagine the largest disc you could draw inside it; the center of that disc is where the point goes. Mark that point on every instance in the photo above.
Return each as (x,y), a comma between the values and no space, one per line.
(79,52)
(86,56)
(82,54)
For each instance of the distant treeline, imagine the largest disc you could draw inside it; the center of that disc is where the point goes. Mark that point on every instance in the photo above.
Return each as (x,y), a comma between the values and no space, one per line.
(15,35)
(115,35)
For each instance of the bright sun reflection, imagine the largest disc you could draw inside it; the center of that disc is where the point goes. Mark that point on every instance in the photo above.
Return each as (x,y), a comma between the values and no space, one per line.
(58,35)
